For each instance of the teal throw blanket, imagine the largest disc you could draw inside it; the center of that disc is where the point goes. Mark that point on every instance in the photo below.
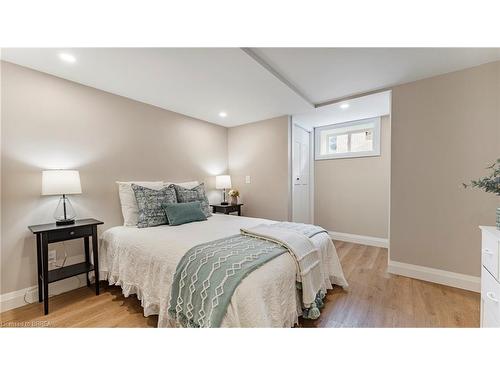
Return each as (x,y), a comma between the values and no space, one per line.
(208,274)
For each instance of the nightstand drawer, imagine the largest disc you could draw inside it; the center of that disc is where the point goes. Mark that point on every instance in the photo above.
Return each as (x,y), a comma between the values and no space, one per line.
(490,295)
(490,253)
(68,234)
(226,209)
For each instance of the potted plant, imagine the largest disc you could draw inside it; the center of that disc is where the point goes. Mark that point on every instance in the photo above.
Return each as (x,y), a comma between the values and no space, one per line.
(490,184)
(233,196)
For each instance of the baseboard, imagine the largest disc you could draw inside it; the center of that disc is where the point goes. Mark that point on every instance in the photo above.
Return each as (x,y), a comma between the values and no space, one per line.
(434,275)
(18,298)
(363,240)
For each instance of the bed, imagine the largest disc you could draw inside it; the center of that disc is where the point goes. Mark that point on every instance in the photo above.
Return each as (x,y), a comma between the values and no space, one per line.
(143,262)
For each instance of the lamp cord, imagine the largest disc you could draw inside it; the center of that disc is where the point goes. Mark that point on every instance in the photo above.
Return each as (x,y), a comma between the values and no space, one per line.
(57,266)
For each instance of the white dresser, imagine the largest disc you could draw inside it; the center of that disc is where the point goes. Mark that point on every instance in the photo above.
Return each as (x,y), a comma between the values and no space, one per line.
(490,277)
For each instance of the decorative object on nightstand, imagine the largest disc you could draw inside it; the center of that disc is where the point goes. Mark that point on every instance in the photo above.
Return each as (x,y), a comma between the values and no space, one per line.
(62,182)
(223,182)
(50,233)
(227,208)
(490,184)
(233,196)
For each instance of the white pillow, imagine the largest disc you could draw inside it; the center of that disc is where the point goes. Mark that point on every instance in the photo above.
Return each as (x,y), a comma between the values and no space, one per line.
(130,211)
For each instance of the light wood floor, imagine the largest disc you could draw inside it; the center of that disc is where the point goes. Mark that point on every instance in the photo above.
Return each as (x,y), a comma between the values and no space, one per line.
(374,299)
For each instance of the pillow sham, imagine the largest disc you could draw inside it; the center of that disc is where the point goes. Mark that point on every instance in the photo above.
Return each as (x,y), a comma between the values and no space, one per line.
(150,203)
(182,213)
(130,211)
(196,194)
(128,203)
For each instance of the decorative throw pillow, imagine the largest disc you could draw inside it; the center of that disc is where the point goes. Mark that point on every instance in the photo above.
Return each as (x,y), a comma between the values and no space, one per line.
(128,202)
(182,213)
(151,205)
(196,194)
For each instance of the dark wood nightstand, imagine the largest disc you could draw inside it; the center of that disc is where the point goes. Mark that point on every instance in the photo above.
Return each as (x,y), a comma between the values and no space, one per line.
(50,233)
(227,209)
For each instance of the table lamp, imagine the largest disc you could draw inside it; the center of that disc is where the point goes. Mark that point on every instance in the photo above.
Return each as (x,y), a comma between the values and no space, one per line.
(223,182)
(62,182)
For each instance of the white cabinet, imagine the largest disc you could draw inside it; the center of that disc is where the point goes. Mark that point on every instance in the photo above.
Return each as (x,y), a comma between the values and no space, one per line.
(490,277)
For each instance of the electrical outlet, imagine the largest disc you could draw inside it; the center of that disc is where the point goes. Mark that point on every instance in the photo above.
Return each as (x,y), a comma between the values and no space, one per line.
(52,256)
(247,179)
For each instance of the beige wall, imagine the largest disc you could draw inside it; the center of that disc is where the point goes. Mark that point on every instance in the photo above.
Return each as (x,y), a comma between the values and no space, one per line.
(445,130)
(48,123)
(260,150)
(352,195)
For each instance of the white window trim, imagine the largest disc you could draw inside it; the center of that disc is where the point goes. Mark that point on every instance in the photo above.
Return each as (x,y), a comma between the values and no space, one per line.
(344,155)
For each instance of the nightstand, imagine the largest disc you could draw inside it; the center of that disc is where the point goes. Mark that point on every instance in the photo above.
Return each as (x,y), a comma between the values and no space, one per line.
(51,233)
(227,209)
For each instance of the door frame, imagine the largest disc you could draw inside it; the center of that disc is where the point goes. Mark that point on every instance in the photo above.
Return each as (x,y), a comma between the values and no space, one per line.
(291,139)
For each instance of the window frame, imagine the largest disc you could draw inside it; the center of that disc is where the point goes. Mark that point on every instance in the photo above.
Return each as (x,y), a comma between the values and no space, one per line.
(350,154)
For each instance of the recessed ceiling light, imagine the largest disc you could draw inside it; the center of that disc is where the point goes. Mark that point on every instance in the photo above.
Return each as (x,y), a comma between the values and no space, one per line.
(222,114)
(344,105)
(67,57)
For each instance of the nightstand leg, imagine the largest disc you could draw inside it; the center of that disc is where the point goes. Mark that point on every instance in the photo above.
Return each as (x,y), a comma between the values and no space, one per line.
(87,256)
(96,258)
(45,256)
(39,267)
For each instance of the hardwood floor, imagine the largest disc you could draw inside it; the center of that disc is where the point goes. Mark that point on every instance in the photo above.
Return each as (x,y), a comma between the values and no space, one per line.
(378,299)
(374,299)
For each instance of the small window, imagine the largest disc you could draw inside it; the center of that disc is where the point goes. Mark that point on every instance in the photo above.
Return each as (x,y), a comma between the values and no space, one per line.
(348,140)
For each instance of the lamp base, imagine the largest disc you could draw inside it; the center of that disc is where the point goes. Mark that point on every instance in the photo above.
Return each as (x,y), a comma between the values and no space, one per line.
(224,203)
(65,222)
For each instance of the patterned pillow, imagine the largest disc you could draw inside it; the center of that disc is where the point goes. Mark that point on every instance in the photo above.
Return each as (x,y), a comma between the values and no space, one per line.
(196,194)
(150,203)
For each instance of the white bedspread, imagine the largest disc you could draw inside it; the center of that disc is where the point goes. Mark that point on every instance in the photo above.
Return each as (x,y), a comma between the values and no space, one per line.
(143,262)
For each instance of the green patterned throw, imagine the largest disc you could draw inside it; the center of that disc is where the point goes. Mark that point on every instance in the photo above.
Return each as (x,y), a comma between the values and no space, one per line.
(208,274)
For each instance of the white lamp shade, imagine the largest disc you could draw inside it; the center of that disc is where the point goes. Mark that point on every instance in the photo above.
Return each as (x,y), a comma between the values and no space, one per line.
(223,182)
(59,182)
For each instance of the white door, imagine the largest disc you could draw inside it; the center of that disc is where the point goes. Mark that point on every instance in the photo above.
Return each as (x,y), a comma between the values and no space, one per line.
(301,166)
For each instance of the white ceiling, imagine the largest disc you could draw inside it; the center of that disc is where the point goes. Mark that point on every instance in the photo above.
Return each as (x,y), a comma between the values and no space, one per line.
(198,82)
(368,106)
(323,74)
(201,82)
